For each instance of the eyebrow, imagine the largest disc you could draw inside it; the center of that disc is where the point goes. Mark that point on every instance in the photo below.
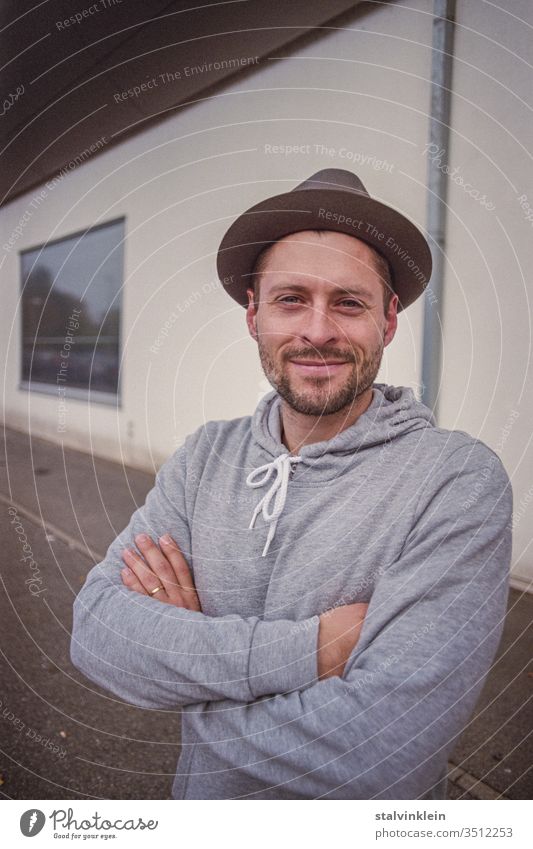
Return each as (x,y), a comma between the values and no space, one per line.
(342,290)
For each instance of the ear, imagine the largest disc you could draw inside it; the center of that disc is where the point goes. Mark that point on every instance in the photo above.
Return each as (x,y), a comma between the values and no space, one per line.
(251,314)
(392,320)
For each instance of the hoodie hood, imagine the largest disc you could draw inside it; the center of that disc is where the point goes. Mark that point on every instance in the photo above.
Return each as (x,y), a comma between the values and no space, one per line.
(393,412)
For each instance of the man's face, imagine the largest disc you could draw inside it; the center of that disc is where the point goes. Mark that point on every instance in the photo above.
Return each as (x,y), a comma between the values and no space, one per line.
(320,325)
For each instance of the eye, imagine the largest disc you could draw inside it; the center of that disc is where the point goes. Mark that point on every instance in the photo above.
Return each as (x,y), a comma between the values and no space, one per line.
(283,298)
(350,302)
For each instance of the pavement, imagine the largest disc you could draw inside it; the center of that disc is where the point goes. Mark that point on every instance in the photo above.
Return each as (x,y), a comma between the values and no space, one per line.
(61,737)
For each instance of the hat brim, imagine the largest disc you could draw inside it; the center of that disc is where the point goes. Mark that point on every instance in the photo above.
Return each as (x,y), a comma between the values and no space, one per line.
(359,215)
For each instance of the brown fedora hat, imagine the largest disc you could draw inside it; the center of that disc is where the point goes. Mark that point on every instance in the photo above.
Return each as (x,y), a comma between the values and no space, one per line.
(332,199)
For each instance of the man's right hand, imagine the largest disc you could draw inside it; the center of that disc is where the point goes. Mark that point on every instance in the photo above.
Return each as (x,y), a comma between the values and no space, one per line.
(338,634)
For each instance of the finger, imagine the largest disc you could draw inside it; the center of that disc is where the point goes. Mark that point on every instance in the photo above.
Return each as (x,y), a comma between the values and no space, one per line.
(161,567)
(131,581)
(181,571)
(143,573)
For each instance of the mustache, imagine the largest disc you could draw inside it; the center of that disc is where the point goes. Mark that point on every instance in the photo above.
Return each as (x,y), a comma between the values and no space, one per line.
(314,354)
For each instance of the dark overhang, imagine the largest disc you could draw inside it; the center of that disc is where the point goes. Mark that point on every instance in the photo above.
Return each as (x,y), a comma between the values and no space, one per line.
(71,68)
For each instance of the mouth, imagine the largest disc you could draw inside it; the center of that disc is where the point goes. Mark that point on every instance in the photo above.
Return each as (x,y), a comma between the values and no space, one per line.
(318,368)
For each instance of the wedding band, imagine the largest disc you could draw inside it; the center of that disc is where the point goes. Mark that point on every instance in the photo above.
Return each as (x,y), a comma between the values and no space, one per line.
(153,592)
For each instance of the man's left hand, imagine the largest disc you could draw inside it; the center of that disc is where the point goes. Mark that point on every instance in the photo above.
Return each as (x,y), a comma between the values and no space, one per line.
(163,567)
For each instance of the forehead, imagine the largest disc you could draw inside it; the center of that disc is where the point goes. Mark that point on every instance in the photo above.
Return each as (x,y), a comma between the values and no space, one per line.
(325,260)
(325,246)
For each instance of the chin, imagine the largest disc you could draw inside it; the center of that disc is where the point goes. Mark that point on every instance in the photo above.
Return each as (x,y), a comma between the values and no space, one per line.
(321,403)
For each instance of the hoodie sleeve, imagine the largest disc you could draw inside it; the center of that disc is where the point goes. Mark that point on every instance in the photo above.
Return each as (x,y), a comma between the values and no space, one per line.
(433,626)
(159,656)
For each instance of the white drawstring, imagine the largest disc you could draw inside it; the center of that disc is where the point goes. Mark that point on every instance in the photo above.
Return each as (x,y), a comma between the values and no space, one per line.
(277,491)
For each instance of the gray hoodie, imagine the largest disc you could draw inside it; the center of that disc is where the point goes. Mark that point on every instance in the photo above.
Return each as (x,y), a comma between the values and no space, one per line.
(394,511)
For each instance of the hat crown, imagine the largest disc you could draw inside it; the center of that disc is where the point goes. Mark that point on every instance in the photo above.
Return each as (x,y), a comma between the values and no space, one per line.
(334,178)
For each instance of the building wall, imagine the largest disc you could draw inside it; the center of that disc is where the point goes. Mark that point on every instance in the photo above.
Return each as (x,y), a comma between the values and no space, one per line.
(486,311)
(355,98)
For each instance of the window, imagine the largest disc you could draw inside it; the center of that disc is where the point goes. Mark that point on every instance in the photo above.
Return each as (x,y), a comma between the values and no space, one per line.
(71,301)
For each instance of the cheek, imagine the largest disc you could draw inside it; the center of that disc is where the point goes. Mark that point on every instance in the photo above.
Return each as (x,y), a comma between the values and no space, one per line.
(356,332)
(363,344)
(367,331)
(273,333)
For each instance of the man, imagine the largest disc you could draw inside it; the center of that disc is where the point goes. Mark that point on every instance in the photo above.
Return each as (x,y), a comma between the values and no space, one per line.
(321,586)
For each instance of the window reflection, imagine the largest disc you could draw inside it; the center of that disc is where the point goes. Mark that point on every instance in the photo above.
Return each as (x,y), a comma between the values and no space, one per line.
(71,301)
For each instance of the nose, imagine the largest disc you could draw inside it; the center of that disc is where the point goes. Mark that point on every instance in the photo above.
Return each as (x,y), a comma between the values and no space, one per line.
(319,328)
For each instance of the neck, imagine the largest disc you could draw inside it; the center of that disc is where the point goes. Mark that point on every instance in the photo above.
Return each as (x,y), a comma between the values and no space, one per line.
(298,429)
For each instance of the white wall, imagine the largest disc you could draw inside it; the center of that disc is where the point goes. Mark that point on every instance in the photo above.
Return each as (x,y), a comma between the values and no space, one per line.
(486,386)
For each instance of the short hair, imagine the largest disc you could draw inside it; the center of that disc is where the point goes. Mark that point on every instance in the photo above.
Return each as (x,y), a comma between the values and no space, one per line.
(382,267)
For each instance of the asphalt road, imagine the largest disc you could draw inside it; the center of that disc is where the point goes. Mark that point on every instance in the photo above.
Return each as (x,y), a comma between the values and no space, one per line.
(61,736)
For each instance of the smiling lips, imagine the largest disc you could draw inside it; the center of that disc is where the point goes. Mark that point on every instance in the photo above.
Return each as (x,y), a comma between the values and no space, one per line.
(318,367)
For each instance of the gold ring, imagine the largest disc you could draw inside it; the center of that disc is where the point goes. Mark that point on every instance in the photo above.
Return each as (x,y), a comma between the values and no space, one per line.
(153,592)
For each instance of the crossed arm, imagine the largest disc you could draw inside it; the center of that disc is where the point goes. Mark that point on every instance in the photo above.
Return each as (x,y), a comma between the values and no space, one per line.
(164,572)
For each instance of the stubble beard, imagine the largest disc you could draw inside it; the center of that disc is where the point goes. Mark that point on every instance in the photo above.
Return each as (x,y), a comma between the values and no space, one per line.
(321,399)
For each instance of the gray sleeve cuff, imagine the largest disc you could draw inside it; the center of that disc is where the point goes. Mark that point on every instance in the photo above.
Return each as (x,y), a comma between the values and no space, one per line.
(283,656)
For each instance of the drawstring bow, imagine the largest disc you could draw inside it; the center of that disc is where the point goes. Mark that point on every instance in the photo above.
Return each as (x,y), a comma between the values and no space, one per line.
(276,493)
